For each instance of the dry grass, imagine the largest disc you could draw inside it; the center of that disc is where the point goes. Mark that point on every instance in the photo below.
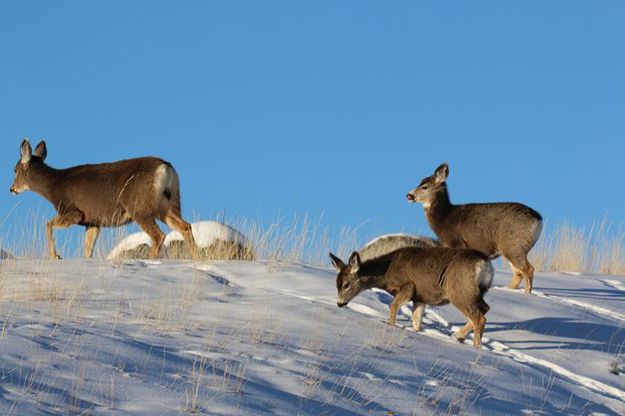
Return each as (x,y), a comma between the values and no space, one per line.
(297,239)
(599,248)
(596,249)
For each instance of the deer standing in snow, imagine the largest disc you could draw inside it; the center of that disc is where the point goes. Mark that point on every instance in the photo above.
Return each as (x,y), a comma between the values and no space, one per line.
(508,228)
(432,276)
(105,195)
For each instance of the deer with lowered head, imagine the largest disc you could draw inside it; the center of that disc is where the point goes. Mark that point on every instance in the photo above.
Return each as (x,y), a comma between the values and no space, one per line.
(423,275)
(507,228)
(105,195)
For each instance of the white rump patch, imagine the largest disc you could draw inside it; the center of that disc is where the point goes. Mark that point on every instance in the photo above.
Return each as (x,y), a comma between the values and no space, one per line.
(161,179)
(484,272)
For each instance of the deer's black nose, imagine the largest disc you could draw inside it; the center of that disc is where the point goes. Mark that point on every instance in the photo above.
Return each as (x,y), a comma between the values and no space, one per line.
(410,196)
(341,304)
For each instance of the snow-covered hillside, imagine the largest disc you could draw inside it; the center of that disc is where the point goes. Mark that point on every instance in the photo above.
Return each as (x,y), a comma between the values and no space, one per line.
(237,338)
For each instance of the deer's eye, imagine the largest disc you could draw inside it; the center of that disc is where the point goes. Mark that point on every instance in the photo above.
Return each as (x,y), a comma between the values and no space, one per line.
(424,188)
(346,286)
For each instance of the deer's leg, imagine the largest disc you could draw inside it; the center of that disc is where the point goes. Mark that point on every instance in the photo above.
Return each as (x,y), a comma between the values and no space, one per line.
(176,222)
(525,269)
(156,235)
(63,220)
(91,236)
(402,297)
(528,273)
(478,324)
(473,311)
(517,276)
(417,313)
(461,335)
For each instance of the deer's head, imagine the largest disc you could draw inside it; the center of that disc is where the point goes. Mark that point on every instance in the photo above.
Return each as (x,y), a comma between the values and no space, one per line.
(348,282)
(429,187)
(28,160)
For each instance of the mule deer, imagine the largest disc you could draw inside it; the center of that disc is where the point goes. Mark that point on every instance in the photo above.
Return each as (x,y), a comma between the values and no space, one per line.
(105,195)
(509,228)
(432,276)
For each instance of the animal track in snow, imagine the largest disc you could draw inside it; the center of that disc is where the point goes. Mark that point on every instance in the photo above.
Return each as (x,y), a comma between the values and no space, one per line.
(614,284)
(599,310)
(499,348)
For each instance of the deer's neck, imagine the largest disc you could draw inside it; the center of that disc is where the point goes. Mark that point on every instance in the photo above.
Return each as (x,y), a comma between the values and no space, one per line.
(373,281)
(372,273)
(42,180)
(438,210)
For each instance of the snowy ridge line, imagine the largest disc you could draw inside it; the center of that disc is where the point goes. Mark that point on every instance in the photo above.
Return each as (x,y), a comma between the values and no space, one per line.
(605,312)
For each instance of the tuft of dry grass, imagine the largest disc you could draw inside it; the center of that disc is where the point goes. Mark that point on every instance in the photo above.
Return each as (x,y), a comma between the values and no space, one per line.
(596,249)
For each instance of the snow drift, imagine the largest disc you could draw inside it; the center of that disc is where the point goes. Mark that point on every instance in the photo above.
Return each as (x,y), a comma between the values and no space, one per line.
(215,241)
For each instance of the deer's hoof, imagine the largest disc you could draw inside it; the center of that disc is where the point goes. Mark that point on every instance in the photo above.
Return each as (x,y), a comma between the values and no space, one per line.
(460,338)
(528,290)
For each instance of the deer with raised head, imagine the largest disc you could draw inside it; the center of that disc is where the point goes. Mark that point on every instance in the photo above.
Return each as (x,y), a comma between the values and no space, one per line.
(507,228)
(425,276)
(105,195)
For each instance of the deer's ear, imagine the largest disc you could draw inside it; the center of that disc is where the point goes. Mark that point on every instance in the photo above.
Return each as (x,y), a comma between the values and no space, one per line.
(441,173)
(336,262)
(354,262)
(41,151)
(25,152)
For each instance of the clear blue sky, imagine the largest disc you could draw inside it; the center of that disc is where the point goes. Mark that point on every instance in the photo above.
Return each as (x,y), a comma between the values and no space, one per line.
(333,107)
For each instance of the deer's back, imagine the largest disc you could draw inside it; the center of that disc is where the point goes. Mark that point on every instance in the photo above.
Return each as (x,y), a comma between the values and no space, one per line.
(487,227)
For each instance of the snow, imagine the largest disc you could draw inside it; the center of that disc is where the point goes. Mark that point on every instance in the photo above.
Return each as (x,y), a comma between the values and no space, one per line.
(205,233)
(376,240)
(247,338)
(130,242)
(387,243)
